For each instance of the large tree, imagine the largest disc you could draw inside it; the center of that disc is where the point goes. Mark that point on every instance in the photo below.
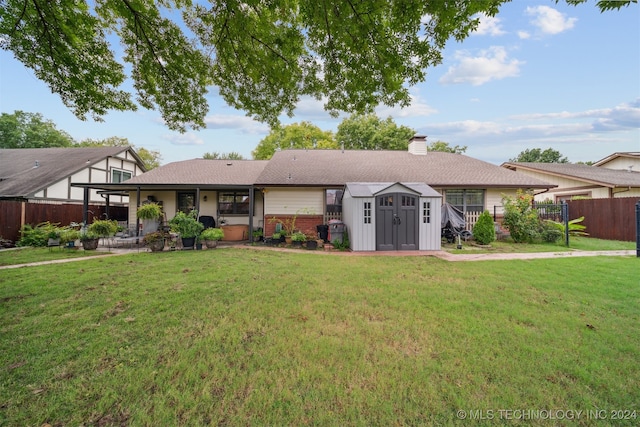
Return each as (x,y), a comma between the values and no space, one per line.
(369,132)
(536,155)
(262,55)
(233,155)
(446,148)
(30,130)
(296,135)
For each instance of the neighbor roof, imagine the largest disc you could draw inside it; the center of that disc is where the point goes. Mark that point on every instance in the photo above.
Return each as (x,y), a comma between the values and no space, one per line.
(592,174)
(21,176)
(632,155)
(437,169)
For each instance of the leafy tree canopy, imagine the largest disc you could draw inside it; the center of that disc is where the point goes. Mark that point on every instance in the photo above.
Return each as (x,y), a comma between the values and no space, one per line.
(31,130)
(297,135)
(262,56)
(369,132)
(446,148)
(223,156)
(538,156)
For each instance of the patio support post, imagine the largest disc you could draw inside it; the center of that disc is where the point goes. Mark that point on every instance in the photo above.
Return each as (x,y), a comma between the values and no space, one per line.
(85,207)
(197,201)
(251,196)
(137,206)
(638,229)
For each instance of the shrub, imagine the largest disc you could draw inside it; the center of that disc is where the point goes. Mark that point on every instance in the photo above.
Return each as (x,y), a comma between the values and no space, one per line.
(38,235)
(484,231)
(520,218)
(549,232)
(212,234)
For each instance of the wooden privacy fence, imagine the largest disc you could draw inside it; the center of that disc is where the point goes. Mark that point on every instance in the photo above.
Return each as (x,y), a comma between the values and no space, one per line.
(14,214)
(611,219)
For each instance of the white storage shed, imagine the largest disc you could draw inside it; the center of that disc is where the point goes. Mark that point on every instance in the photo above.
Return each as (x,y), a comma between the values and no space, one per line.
(392,216)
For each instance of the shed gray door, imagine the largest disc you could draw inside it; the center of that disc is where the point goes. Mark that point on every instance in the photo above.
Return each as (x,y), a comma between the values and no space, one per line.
(396,222)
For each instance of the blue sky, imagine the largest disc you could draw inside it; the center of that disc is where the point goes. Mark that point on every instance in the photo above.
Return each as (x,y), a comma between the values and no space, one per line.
(537,75)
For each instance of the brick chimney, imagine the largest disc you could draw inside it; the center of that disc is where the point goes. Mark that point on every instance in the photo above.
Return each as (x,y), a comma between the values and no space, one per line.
(418,145)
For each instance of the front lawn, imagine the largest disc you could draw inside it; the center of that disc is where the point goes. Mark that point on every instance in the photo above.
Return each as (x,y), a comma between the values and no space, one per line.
(255,337)
(575,243)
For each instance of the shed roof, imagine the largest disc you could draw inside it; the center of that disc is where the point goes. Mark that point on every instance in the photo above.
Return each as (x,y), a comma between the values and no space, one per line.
(25,171)
(592,174)
(337,167)
(370,189)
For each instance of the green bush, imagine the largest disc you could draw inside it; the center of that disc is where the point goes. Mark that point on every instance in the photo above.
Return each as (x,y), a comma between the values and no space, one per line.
(38,235)
(484,231)
(549,232)
(520,218)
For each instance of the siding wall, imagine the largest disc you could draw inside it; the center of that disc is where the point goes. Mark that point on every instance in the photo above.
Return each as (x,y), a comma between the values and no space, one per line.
(623,163)
(430,232)
(289,202)
(362,237)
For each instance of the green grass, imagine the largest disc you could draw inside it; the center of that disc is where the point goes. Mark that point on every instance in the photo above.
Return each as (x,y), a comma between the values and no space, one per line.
(575,243)
(28,255)
(255,337)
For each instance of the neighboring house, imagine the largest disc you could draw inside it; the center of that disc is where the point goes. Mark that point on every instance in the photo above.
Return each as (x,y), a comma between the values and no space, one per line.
(39,179)
(388,199)
(621,161)
(612,179)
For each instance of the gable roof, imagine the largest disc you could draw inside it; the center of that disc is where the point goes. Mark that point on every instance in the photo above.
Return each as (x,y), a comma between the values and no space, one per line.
(592,174)
(20,176)
(437,169)
(631,155)
(370,189)
(203,172)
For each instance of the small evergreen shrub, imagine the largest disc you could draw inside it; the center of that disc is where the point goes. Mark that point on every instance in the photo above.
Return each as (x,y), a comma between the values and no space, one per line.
(484,231)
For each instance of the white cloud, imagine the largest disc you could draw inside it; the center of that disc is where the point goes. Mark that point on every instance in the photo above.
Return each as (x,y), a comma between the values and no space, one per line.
(549,20)
(489,25)
(188,138)
(242,123)
(524,35)
(490,64)
(418,108)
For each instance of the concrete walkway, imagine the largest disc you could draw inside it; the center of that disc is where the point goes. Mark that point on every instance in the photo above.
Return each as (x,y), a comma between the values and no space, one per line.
(446,256)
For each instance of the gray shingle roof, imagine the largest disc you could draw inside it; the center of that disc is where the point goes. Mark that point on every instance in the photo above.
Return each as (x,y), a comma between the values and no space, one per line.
(203,172)
(337,167)
(592,174)
(20,178)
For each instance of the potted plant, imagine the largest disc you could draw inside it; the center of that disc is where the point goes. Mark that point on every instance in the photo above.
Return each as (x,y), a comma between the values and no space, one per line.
(69,236)
(211,236)
(89,240)
(149,211)
(103,227)
(150,214)
(298,238)
(187,226)
(53,237)
(154,241)
(257,234)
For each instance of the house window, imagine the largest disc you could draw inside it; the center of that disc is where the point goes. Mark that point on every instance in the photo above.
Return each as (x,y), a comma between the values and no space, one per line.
(426,212)
(333,199)
(466,200)
(233,203)
(367,212)
(186,202)
(119,175)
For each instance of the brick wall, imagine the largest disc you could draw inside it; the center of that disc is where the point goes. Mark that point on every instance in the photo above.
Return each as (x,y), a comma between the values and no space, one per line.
(305,223)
